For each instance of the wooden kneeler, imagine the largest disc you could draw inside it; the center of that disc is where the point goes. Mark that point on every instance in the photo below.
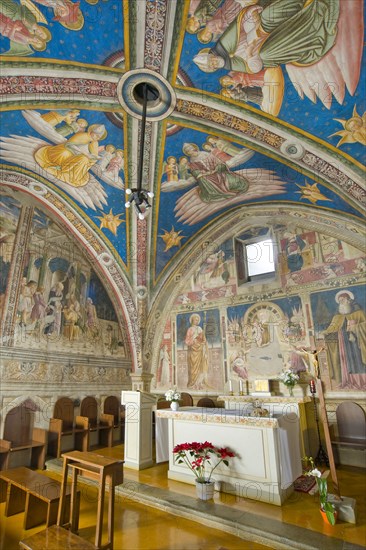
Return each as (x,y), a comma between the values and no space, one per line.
(106,471)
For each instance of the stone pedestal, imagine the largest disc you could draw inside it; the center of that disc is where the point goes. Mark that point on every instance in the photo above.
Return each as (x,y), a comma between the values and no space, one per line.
(138,429)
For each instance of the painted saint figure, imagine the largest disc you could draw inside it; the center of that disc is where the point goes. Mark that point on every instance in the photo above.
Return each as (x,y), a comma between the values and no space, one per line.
(164,366)
(91,319)
(345,340)
(214,178)
(197,355)
(310,38)
(19,24)
(171,169)
(116,164)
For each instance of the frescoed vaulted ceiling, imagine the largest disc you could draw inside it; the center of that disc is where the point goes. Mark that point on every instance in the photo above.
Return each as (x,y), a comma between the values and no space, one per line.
(260,102)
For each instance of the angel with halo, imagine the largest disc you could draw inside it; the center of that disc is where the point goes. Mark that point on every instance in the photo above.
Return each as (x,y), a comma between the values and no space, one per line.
(68,163)
(217,185)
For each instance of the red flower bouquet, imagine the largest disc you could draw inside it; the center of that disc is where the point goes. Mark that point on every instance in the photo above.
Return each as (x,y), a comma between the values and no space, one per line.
(198,456)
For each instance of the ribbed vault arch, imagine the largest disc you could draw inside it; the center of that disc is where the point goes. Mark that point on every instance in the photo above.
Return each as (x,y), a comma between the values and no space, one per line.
(352,232)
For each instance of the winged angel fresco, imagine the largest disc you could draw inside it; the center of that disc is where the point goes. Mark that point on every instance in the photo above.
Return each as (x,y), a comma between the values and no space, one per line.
(320,43)
(65,162)
(217,185)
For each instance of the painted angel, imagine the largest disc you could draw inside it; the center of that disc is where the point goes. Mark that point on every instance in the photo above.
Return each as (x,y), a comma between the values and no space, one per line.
(217,185)
(319,42)
(66,162)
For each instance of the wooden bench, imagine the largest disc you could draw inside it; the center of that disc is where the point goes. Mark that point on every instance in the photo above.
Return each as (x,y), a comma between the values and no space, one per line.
(106,471)
(37,446)
(55,538)
(33,493)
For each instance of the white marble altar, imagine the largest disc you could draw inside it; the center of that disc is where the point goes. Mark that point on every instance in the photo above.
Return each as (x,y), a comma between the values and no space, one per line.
(277,405)
(268,451)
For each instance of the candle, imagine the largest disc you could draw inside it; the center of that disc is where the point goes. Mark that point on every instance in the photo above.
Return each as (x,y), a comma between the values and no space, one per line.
(230,385)
(241,386)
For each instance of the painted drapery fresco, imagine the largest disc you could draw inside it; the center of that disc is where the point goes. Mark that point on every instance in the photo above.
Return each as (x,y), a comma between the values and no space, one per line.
(61,304)
(251,47)
(340,321)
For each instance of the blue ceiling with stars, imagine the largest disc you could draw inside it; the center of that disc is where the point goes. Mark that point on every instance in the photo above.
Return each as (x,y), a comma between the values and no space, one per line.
(259,88)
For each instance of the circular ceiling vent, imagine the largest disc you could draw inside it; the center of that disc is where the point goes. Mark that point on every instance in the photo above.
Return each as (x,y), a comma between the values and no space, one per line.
(161,97)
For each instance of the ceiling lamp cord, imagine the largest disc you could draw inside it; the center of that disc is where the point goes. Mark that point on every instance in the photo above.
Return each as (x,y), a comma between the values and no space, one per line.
(140,196)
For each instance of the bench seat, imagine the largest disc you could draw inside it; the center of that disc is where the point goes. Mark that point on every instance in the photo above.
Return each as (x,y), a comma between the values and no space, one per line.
(34,493)
(54,538)
(37,445)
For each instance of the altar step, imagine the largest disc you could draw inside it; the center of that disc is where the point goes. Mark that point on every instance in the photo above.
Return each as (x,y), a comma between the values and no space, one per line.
(246,525)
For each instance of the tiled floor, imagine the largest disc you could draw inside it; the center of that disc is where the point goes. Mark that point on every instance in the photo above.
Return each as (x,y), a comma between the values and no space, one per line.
(159,519)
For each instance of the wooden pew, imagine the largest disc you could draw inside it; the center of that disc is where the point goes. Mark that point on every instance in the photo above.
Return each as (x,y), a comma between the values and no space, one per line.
(26,443)
(351,426)
(99,429)
(112,406)
(64,430)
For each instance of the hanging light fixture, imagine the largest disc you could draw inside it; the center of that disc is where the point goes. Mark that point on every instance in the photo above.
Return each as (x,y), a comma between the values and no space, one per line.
(138,196)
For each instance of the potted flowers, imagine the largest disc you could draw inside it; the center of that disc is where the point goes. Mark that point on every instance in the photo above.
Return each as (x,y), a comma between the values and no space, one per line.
(327,509)
(173,396)
(198,456)
(289,378)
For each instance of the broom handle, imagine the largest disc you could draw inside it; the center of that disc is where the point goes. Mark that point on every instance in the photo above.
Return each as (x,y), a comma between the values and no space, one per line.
(328,443)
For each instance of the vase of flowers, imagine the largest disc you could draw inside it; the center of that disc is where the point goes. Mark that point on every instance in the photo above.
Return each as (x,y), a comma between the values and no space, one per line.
(202,459)
(327,509)
(289,378)
(173,396)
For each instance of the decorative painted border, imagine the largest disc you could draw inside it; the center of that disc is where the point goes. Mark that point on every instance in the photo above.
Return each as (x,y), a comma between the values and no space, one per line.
(155,23)
(337,176)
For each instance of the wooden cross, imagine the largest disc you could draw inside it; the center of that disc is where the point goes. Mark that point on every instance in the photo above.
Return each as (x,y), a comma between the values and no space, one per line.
(328,443)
